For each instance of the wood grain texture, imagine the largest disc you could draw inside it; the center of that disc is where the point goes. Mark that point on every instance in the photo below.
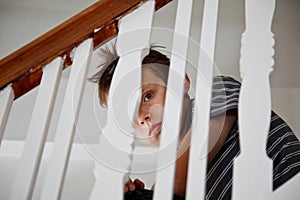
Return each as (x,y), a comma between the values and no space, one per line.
(23,68)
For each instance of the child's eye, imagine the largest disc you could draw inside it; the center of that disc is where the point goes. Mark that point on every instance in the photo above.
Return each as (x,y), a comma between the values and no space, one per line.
(148,96)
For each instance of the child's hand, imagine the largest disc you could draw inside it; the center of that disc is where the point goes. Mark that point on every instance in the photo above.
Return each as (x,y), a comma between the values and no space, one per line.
(131,186)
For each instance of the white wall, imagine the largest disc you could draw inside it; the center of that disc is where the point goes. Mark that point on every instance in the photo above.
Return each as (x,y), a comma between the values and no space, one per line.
(21,21)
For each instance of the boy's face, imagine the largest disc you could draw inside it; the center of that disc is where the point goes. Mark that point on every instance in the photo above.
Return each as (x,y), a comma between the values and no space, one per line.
(148,122)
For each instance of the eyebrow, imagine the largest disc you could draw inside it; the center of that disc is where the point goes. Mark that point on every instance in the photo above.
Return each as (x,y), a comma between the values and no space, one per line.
(143,88)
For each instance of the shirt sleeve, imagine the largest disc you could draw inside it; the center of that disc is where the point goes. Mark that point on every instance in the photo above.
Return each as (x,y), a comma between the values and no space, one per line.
(225,95)
(283,147)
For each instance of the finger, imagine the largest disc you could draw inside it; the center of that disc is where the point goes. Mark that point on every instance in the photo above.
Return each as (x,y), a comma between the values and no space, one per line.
(130,185)
(139,184)
(153,186)
(125,188)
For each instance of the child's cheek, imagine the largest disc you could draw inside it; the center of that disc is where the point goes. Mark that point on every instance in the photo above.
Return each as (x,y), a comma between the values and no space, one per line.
(156,112)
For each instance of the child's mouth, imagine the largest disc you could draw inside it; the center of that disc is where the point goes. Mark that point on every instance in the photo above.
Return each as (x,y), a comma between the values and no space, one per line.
(155,129)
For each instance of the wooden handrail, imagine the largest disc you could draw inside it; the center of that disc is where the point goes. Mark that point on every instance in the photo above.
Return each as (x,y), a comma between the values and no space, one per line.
(23,67)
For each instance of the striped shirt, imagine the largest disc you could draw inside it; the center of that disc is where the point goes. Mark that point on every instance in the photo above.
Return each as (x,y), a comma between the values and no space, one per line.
(283,146)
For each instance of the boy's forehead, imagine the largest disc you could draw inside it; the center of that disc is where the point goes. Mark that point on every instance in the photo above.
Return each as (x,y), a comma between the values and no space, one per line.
(149,77)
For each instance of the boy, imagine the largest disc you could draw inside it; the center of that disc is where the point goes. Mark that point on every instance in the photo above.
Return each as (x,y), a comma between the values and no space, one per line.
(282,145)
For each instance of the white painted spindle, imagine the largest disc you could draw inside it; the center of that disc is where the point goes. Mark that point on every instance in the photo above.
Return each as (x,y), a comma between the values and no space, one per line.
(116,141)
(37,132)
(200,128)
(66,126)
(252,168)
(173,104)
(6,101)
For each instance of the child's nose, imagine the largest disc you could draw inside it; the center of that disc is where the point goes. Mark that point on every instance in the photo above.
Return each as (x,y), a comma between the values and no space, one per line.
(145,120)
(142,119)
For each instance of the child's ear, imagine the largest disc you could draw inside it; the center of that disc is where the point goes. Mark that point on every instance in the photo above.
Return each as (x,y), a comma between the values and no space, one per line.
(186,84)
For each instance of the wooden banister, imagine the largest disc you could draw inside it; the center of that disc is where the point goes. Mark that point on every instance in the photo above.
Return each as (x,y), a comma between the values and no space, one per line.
(23,67)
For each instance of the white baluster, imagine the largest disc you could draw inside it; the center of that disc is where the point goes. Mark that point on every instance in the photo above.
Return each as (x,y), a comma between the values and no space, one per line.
(252,168)
(6,101)
(37,132)
(173,104)
(116,141)
(68,118)
(200,128)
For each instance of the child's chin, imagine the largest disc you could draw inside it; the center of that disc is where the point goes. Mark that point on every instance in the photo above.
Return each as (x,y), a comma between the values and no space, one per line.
(155,140)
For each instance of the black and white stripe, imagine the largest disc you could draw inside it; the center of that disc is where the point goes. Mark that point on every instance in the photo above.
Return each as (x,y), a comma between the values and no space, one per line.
(282,145)
(225,95)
